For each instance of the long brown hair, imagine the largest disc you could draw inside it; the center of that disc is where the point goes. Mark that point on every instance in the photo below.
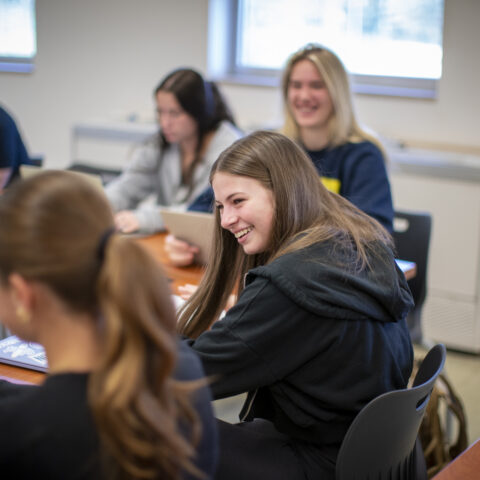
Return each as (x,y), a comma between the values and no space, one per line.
(305,213)
(202,100)
(343,126)
(50,231)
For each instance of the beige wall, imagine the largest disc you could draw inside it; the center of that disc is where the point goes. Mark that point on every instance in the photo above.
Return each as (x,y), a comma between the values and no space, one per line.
(102,58)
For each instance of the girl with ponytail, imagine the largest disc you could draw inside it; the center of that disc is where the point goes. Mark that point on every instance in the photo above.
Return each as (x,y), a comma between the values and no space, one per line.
(121,397)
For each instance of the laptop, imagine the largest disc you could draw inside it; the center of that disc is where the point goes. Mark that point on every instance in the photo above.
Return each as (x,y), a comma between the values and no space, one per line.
(17,352)
(193,227)
(27,171)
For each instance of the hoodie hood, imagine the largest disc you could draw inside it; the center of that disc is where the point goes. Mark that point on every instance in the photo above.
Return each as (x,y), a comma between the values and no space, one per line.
(378,292)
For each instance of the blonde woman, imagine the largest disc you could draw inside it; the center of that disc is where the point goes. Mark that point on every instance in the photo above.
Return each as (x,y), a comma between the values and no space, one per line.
(319,115)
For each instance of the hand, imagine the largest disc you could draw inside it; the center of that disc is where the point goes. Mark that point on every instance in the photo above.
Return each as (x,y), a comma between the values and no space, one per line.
(126,221)
(179,252)
(187,290)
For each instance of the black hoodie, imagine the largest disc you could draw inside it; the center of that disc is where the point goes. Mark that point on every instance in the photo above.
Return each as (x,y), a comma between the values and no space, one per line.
(312,342)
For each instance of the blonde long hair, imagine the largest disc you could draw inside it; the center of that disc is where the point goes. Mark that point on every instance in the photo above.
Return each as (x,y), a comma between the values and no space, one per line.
(50,230)
(305,213)
(343,126)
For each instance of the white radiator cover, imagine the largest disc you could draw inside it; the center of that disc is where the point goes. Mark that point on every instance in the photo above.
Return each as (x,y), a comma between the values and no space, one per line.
(452,322)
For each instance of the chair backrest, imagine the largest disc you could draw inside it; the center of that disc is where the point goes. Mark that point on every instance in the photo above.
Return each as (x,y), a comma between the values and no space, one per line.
(380,443)
(411,234)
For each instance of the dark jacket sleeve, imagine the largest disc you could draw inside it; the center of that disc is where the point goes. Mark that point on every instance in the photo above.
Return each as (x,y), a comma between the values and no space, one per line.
(365,183)
(247,348)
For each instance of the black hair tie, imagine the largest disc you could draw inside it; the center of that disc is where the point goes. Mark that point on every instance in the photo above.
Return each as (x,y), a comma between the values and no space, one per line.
(102,243)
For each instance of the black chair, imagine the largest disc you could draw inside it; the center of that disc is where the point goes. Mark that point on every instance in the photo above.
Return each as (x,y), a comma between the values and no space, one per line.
(381,442)
(411,234)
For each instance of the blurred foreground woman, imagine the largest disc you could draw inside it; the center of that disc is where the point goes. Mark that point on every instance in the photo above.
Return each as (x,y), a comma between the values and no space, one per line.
(121,398)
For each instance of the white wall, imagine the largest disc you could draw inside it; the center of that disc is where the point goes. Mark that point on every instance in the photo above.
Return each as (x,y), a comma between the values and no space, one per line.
(102,59)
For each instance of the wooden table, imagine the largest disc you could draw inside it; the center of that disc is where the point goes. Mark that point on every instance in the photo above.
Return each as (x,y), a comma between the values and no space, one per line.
(179,276)
(465,467)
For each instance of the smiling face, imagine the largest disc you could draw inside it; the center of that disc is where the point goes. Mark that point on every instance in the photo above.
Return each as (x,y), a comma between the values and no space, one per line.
(246,209)
(308,98)
(176,124)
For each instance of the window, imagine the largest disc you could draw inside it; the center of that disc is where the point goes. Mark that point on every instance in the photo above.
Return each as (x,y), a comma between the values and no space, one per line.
(389,46)
(18,44)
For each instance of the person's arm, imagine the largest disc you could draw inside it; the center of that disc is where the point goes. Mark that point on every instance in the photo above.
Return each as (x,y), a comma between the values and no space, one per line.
(137,181)
(247,348)
(366,185)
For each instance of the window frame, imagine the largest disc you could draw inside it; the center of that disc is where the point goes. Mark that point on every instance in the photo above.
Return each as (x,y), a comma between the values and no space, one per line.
(222,45)
(15,64)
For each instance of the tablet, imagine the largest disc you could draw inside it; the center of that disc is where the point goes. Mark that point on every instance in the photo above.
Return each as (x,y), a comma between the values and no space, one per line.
(193,227)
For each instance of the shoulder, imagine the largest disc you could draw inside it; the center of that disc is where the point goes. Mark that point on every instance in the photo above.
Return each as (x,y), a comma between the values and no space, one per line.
(225,134)
(6,121)
(295,261)
(355,151)
(292,270)
(150,144)
(147,153)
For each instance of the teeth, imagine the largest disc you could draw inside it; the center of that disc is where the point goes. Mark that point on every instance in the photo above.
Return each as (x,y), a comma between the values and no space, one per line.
(243,232)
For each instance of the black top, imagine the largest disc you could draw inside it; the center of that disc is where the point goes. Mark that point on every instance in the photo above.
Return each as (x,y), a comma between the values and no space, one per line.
(48,432)
(313,344)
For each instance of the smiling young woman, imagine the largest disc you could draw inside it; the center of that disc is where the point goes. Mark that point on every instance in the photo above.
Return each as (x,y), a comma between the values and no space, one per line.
(321,305)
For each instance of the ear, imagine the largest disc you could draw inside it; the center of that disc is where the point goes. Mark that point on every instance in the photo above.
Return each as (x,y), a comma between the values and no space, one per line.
(21,291)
